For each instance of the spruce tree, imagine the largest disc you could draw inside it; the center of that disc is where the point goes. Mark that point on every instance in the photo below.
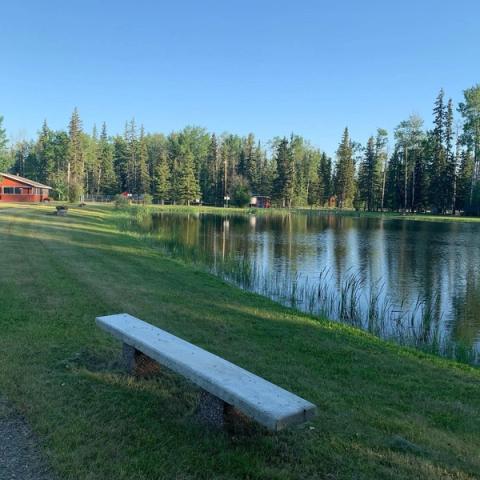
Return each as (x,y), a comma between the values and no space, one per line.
(75,162)
(189,189)
(107,184)
(91,157)
(284,186)
(438,169)
(345,172)
(324,173)
(209,178)
(451,160)
(143,177)
(45,154)
(162,179)
(464,183)
(120,162)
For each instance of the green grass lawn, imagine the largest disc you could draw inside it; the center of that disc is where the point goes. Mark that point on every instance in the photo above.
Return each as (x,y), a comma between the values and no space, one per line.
(384,412)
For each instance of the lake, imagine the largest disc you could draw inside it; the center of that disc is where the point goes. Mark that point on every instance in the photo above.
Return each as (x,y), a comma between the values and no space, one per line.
(417,282)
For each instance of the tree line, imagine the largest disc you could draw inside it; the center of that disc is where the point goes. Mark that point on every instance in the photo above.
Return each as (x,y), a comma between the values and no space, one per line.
(424,170)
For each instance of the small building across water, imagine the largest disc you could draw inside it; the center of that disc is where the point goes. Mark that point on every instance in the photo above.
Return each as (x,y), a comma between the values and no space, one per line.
(260,201)
(18,189)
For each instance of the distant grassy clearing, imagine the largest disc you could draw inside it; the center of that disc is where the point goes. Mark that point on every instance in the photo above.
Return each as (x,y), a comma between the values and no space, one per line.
(384,411)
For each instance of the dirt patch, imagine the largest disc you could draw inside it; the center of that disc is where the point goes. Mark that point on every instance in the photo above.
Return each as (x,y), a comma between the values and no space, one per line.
(20,458)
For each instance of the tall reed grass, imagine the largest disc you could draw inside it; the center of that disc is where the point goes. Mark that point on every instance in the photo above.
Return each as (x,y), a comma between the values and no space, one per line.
(348,300)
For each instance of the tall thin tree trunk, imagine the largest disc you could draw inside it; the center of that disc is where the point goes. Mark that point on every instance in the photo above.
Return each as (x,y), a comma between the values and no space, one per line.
(406,181)
(383,181)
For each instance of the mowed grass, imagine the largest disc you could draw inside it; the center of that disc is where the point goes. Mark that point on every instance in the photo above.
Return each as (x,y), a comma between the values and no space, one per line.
(384,412)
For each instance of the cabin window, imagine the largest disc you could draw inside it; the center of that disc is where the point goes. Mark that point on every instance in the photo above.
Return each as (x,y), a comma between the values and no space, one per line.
(12,190)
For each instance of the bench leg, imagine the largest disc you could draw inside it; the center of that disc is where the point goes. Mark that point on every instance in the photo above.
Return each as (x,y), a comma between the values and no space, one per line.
(211,410)
(136,363)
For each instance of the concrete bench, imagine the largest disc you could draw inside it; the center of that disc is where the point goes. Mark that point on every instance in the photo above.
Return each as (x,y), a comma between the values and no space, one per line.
(224,385)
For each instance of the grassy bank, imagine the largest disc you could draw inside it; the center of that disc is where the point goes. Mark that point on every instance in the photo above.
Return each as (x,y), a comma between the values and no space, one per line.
(384,412)
(321,211)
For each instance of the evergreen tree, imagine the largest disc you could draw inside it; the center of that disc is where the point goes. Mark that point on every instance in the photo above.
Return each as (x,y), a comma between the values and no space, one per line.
(162,179)
(438,170)
(209,178)
(464,184)
(284,186)
(120,162)
(345,172)
(366,176)
(90,148)
(324,174)
(394,193)
(266,171)
(249,164)
(107,184)
(189,189)
(44,154)
(143,177)
(75,162)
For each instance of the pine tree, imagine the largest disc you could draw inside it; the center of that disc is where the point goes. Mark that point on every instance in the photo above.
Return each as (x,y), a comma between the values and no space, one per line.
(188,185)
(374,176)
(324,174)
(75,162)
(464,184)
(394,194)
(438,170)
(345,172)
(162,179)
(90,147)
(366,176)
(44,153)
(143,177)
(209,178)
(120,162)
(284,186)
(107,184)
(450,160)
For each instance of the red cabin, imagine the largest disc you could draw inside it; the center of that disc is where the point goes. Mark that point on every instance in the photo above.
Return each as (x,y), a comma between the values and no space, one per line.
(18,189)
(260,201)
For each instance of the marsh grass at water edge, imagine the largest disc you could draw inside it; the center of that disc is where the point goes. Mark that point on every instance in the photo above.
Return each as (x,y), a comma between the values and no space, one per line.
(350,299)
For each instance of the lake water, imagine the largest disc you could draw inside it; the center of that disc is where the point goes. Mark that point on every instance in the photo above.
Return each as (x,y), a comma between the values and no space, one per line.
(415,281)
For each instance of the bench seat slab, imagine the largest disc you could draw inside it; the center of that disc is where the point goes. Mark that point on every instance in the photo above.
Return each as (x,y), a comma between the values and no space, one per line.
(267,403)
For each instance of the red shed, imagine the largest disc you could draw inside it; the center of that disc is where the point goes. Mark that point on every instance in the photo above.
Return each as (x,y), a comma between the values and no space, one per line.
(18,189)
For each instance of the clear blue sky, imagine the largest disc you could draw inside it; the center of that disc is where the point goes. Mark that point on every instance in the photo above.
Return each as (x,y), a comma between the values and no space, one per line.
(270,67)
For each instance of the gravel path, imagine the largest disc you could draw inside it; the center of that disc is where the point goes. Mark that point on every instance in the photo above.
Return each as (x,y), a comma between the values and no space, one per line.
(19,456)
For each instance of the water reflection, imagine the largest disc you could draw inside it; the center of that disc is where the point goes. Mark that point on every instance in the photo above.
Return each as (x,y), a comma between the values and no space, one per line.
(404,263)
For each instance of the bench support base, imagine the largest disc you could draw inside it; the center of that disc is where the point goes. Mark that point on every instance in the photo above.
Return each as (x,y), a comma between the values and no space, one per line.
(137,363)
(211,410)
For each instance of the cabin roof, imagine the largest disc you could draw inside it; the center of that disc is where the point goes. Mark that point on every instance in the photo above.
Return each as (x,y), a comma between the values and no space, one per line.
(26,181)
